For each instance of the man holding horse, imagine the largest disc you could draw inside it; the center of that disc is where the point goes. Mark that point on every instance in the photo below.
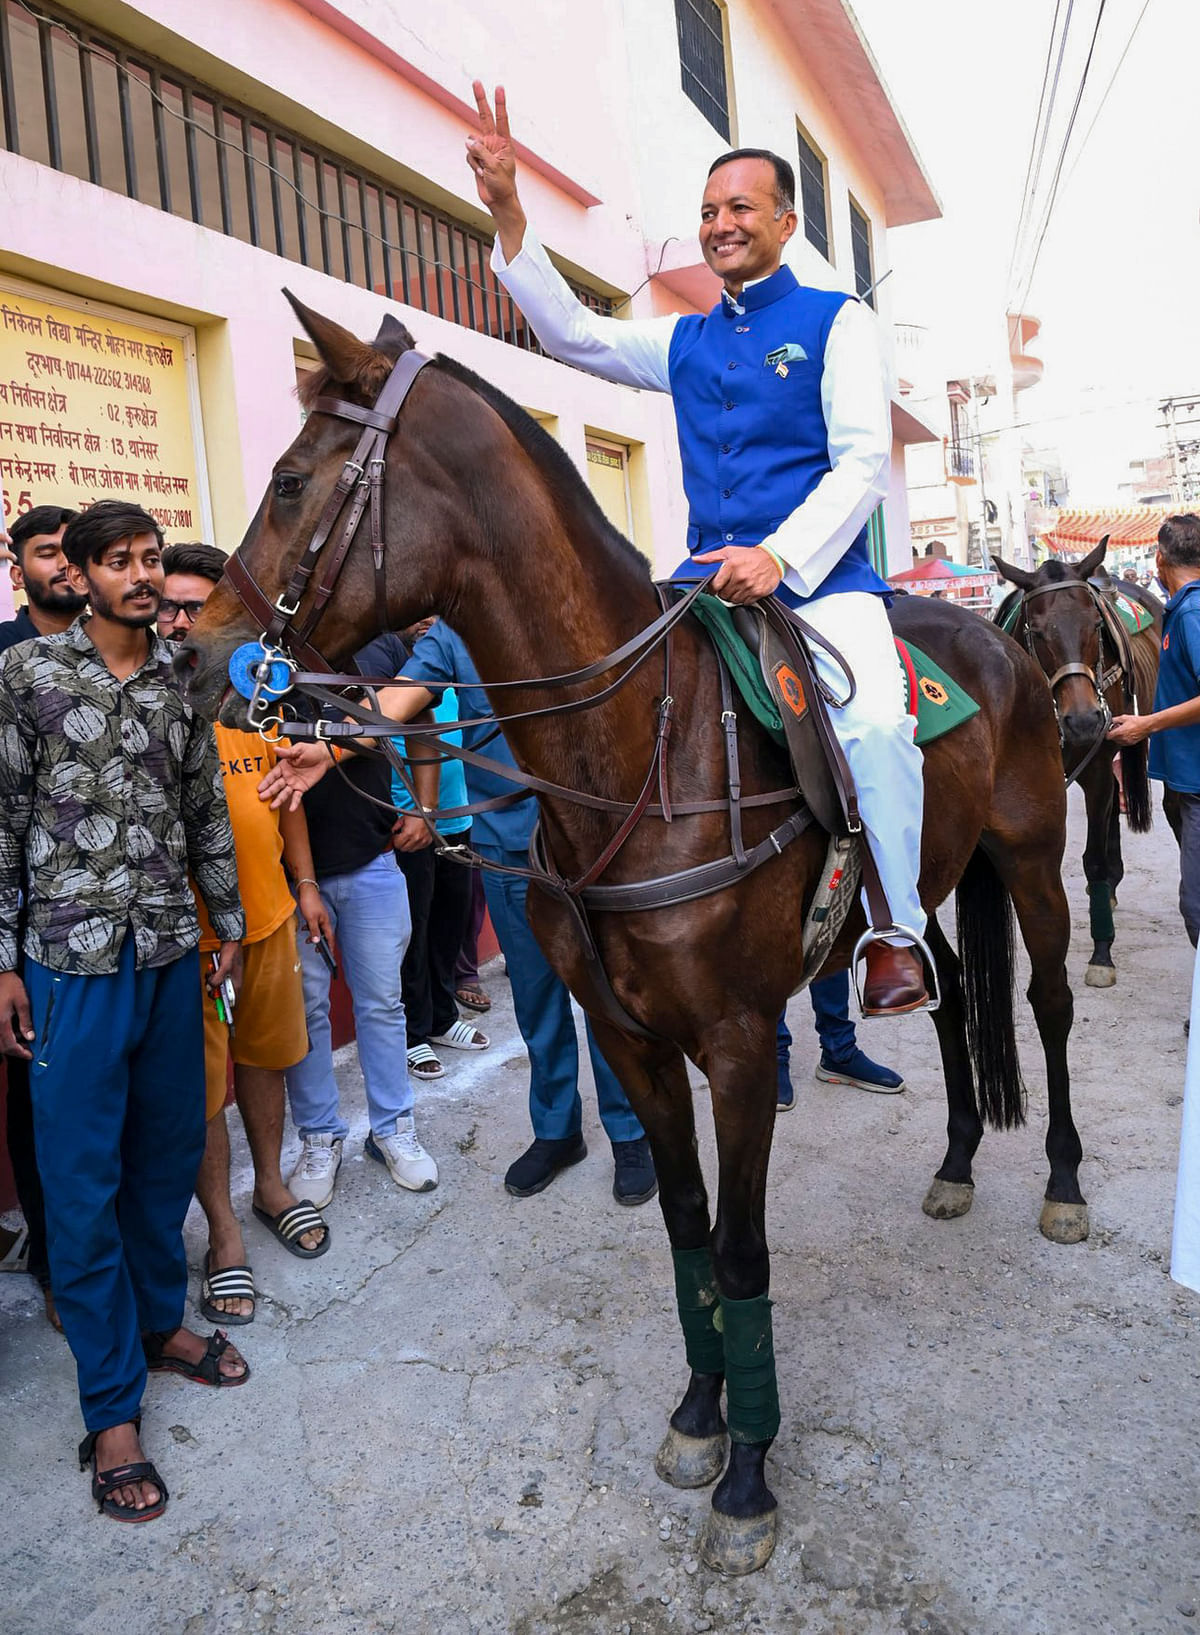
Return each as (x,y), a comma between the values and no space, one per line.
(785,439)
(1173,726)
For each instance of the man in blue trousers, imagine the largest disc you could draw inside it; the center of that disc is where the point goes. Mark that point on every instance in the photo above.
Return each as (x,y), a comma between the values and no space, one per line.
(110,792)
(841,1061)
(540,999)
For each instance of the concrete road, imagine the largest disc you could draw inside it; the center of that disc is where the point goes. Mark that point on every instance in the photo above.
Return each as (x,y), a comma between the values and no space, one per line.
(453,1414)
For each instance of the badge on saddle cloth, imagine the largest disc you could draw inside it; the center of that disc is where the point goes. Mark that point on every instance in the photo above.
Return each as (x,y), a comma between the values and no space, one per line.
(790,690)
(933,691)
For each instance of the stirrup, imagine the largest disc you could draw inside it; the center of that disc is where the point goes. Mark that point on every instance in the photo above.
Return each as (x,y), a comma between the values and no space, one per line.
(885,933)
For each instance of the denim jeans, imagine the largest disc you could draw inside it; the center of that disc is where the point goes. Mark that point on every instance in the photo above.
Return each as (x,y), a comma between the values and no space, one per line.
(547,1023)
(369,910)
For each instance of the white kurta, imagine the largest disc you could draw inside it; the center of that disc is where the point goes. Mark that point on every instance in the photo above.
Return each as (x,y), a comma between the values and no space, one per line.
(875,730)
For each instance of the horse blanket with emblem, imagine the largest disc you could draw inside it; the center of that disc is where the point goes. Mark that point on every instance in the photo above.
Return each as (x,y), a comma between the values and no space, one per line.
(936,699)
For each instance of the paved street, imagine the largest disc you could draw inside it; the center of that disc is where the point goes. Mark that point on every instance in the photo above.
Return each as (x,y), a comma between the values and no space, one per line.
(453,1415)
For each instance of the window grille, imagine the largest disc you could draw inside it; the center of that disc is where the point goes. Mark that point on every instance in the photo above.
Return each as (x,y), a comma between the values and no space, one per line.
(813,207)
(701,29)
(860,241)
(85,103)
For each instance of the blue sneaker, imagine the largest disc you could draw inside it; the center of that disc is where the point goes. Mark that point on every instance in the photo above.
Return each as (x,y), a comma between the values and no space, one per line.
(860,1072)
(785,1099)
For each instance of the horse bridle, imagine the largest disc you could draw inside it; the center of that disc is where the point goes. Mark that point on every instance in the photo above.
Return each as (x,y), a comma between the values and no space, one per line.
(1100,679)
(359,486)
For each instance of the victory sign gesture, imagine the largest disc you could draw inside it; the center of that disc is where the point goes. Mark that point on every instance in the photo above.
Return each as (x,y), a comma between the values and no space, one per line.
(492,156)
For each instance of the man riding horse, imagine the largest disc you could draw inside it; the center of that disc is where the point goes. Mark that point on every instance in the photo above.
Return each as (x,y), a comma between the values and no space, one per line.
(785,439)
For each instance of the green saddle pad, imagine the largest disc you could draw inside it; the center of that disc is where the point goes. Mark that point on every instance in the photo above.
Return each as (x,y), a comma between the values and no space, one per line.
(1132,614)
(941,704)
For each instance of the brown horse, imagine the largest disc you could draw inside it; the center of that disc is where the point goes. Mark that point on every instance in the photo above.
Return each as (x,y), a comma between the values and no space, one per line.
(1058,614)
(489,525)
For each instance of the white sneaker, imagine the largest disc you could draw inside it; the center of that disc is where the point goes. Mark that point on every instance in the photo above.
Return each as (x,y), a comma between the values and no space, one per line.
(316,1172)
(409,1165)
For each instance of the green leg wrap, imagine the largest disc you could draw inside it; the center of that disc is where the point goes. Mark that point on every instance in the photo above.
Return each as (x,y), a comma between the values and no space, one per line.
(1100,911)
(751,1392)
(696,1297)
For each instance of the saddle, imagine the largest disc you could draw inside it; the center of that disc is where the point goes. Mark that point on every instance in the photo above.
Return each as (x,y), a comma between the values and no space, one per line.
(767,648)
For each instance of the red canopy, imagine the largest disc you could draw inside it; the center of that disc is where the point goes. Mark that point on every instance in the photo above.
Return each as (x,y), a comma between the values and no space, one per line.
(1074,533)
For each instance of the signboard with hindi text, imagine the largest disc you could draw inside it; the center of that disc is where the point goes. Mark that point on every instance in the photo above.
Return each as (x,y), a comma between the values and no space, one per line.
(99,403)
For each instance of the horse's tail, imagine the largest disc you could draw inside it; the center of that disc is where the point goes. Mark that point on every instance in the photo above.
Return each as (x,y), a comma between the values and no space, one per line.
(985,951)
(1136,784)
(1134,757)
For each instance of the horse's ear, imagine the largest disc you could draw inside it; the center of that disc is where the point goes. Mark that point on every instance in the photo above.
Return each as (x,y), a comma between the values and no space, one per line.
(343,354)
(1092,560)
(1015,576)
(393,338)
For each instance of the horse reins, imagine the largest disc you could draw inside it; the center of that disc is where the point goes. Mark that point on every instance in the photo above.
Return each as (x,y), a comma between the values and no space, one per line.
(288,636)
(1100,679)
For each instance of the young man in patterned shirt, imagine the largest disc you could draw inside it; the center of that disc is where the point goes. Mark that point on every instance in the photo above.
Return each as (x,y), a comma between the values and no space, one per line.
(109,792)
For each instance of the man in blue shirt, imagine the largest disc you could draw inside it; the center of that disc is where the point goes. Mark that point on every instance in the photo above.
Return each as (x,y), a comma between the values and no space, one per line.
(1173,726)
(785,441)
(540,998)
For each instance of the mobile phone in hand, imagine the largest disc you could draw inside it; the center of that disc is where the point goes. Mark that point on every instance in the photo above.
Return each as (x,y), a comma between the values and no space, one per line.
(326,952)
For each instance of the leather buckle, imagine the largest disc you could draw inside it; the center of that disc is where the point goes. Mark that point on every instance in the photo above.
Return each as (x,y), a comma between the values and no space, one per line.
(288,609)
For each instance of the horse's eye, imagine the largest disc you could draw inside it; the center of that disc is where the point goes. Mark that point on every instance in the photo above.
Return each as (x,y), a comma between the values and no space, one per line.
(287,485)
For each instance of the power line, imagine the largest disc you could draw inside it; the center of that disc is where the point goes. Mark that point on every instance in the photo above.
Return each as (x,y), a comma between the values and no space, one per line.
(1044,111)
(1062,154)
(1107,89)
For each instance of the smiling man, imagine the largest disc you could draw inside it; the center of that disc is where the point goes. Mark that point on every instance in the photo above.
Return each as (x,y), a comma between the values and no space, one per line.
(109,793)
(785,442)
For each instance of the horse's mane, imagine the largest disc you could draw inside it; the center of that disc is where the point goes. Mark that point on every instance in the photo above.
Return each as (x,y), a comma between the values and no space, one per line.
(570,492)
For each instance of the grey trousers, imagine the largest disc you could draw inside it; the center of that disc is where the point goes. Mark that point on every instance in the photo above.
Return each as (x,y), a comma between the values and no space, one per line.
(1183,814)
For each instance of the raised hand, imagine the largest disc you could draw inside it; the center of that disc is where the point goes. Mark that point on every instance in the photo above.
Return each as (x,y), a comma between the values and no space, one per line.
(491,155)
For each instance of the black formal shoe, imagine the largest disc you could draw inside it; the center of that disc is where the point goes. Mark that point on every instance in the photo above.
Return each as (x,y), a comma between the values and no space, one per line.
(540,1163)
(634,1180)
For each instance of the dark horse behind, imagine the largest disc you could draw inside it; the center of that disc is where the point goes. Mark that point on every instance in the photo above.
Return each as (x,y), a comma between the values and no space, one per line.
(1065,614)
(488,524)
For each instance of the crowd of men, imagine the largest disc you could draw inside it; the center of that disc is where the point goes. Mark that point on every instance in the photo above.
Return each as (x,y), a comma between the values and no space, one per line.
(164,934)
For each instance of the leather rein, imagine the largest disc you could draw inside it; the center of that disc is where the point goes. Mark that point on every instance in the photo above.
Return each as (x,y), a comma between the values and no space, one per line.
(287,640)
(1100,679)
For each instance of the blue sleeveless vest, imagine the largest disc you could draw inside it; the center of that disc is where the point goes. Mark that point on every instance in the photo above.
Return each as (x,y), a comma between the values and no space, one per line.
(752,436)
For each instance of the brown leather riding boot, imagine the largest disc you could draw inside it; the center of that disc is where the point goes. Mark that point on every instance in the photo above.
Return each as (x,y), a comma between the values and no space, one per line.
(895,981)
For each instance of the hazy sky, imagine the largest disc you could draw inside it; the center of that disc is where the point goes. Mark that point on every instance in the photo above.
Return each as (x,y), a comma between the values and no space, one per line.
(1116,284)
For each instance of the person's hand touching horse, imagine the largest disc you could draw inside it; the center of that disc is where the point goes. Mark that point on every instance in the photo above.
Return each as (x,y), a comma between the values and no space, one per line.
(493,157)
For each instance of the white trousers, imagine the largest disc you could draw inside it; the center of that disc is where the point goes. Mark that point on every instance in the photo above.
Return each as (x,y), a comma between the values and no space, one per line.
(876,734)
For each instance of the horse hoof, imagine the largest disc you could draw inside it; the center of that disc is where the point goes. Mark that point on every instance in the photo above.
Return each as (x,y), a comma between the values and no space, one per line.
(735,1545)
(691,1461)
(1101,976)
(947,1200)
(1064,1223)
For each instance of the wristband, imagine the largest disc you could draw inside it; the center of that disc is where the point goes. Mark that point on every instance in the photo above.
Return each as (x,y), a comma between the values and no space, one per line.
(307,881)
(776,558)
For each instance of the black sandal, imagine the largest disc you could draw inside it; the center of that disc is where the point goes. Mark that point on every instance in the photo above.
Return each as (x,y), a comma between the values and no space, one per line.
(104,1481)
(205,1372)
(229,1283)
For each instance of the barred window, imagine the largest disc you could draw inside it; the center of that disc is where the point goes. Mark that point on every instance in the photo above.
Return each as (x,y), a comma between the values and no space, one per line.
(85,103)
(700,25)
(864,261)
(814,207)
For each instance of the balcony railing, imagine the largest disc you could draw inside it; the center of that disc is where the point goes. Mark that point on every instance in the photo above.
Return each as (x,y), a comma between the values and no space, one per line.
(960,463)
(85,103)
